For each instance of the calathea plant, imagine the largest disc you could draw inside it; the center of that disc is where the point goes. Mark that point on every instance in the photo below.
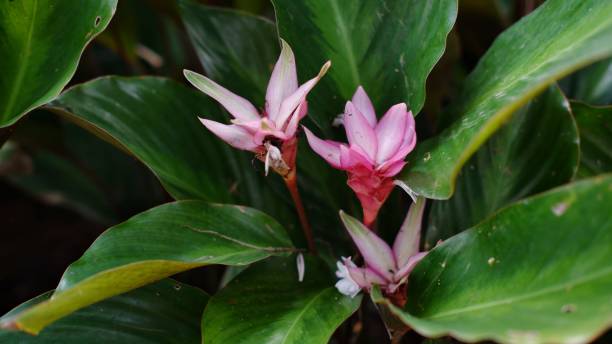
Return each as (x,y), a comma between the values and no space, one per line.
(504,232)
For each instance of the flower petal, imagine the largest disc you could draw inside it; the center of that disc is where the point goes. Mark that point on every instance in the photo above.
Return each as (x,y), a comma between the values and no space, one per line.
(388,167)
(237,106)
(295,119)
(365,277)
(291,103)
(283,81)
(352,157)
(234,135)
(376,253)
(327,149)
(359,132)
(408,238)
(405,270)
(363,103)
(390,132)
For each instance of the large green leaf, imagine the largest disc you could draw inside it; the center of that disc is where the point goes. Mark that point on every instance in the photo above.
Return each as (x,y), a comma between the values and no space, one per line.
(164,312)
(236,49)
(389,47)
(155,244)
(595,126)
(537,150)
(267,304)
(155,119)
(557,38)
(40,53)
(592,85)
(539,271)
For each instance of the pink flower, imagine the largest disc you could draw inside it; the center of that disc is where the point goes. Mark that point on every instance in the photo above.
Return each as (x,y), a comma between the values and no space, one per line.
(271,134)
(375,151)
(384,266)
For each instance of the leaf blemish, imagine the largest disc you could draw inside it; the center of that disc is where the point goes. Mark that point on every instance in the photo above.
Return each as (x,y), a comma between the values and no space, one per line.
(97,21)
(559,208)
(491,261)
(569,308)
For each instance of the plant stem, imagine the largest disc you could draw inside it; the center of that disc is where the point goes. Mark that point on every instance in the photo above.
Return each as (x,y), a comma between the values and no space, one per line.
(291,182)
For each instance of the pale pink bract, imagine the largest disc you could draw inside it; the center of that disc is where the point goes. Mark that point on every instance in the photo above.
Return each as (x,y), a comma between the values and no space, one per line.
(270,134)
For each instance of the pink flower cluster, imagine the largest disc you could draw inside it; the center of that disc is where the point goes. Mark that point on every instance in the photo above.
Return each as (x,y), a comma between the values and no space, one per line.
(375,152)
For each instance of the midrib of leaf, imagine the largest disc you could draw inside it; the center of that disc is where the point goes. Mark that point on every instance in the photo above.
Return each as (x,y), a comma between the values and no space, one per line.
(20,74)
(510,300)
(240,242)
(301,314)
(346,42)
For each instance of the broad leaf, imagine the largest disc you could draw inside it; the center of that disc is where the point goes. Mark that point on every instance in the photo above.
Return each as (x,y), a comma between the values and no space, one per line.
(155,244)
(595,126)
(155,119)
(236,49)
(389,47)
(267,304)
(539,271)
(164,312)
(563,35)
(537,150)
(592,85)
(40,53)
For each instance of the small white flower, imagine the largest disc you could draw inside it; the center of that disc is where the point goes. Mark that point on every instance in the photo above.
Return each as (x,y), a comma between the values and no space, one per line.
(346,285)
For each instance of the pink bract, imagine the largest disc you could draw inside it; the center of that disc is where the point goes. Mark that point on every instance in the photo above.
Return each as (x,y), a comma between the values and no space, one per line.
(261,133)
(375,151)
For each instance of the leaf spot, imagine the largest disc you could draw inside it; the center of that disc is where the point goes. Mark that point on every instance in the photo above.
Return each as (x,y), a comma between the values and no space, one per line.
(97,21)
(559,208)
(491,261)
(569,308)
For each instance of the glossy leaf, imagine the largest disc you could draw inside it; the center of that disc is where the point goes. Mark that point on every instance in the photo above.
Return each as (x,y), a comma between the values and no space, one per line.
(267,304)
(40,53)
(538,271)
(236,49)
(164,312)
(155,244)
(564,35)
(389,47)
(154,119)
(537,150)
(595,126)
(592,85)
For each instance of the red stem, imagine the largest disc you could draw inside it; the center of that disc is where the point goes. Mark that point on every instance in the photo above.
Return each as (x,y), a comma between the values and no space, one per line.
(291,182)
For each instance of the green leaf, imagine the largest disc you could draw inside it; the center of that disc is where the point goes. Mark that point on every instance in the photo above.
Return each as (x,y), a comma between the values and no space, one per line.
(155,244)
(537,150)
(236,49)
(563,35)
(592,85)
(58,181)
(40,53)
(538,272)
(267,304)
(155,119)
(595,126)
(389,47)
(167,311)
